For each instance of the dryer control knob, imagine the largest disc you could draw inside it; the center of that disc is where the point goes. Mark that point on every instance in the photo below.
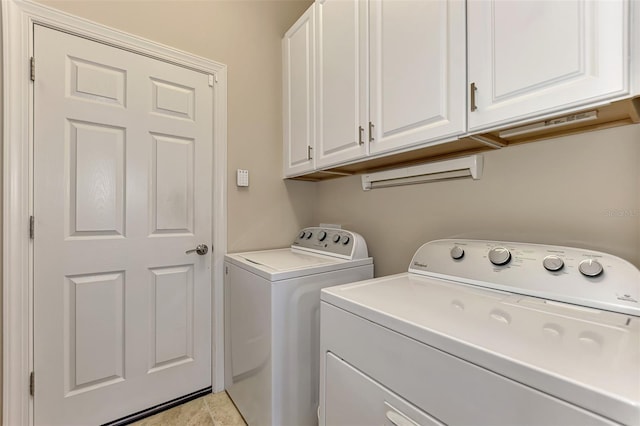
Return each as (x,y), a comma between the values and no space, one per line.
(309,235)
(552,263)
(302,234)
(322,235)
(457,252)
(499,256)
(336,238)
(590,267)
(346,240)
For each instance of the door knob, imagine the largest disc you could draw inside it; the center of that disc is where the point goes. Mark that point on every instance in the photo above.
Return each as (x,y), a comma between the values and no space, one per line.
(201,249)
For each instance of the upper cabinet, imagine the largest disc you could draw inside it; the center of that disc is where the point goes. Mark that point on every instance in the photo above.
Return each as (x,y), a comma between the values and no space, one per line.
(396,81)
(536,57)
(417,72)
(298,82)
(391,74)
(342,65)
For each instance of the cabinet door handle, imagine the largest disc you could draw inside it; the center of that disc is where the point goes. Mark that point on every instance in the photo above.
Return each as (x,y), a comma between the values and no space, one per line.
(309,157)
(361,135)
(473,97)
(371,126)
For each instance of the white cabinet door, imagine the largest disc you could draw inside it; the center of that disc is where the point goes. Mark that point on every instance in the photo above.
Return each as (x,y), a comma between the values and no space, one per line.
(342,81)
(527,58)
(299,95)
(418,76)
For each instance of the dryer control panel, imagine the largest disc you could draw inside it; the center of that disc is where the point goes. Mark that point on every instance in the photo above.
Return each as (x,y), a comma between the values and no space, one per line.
(333,242)
(577,276)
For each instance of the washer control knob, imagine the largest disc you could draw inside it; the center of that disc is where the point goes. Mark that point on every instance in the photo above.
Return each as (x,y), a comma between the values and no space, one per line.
(499,256)
(457,252)
(309,235)
(322,235)
(346,240)
(590,267)
(336,238)
(552,263)
(302,234)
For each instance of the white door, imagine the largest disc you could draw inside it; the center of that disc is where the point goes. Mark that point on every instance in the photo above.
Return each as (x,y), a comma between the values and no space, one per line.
(299,94)
(342,65)
(122,188)
(417,70)
(532,57)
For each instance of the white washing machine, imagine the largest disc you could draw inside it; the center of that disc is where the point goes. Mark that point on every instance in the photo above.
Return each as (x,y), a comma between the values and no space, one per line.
(485,333)
(272,322)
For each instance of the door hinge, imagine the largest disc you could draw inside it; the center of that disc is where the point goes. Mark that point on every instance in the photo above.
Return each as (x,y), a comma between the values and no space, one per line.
(371,126)
(31,227)
(32,384)
(212,79)
(32,69)
(226,270)
(309,153)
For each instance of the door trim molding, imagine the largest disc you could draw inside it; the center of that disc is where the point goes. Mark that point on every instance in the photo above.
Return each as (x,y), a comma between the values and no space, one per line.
(18,18)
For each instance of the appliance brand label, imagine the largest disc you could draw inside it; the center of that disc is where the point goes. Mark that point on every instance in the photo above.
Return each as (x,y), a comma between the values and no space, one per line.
(627,298)
(420,265)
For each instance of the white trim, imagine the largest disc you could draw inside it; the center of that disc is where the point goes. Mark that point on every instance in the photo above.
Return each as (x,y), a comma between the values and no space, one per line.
(219,212)
(634,47)
(18,18)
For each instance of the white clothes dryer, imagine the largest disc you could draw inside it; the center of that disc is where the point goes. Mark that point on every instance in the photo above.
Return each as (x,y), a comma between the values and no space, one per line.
(272,322)
(485,333)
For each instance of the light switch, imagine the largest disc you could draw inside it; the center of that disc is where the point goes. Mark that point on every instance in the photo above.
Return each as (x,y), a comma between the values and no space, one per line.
(243,177)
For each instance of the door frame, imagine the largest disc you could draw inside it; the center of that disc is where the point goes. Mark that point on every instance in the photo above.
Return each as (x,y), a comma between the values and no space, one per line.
(18,19)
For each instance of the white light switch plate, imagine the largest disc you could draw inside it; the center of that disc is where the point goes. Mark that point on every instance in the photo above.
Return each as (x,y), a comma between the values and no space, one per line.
(243,177)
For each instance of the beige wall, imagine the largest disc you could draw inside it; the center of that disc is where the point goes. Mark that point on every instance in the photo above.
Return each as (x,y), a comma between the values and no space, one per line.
(245,35)
(580,191)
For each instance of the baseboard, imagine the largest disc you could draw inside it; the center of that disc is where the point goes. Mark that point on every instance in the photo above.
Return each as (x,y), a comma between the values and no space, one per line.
(159,408)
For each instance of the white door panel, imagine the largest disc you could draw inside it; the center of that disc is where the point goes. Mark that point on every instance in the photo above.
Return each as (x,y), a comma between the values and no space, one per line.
(417,71)
(122,188)
(342,81)
(298,54)
(533,57)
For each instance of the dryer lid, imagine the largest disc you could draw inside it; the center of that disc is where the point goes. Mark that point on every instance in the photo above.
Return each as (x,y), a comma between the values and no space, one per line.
(577,353)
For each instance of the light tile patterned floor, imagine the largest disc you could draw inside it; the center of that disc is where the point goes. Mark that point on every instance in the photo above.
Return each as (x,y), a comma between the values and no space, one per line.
(210,410)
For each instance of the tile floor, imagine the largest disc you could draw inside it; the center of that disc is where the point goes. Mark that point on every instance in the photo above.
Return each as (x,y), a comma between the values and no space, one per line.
(209,410)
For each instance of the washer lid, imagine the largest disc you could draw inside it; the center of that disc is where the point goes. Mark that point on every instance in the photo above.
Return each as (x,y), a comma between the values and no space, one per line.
(286,263)
(286,259)
(586,356)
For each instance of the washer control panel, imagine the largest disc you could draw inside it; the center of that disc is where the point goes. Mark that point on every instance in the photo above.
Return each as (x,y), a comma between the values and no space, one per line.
(333,242)
(578,276)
